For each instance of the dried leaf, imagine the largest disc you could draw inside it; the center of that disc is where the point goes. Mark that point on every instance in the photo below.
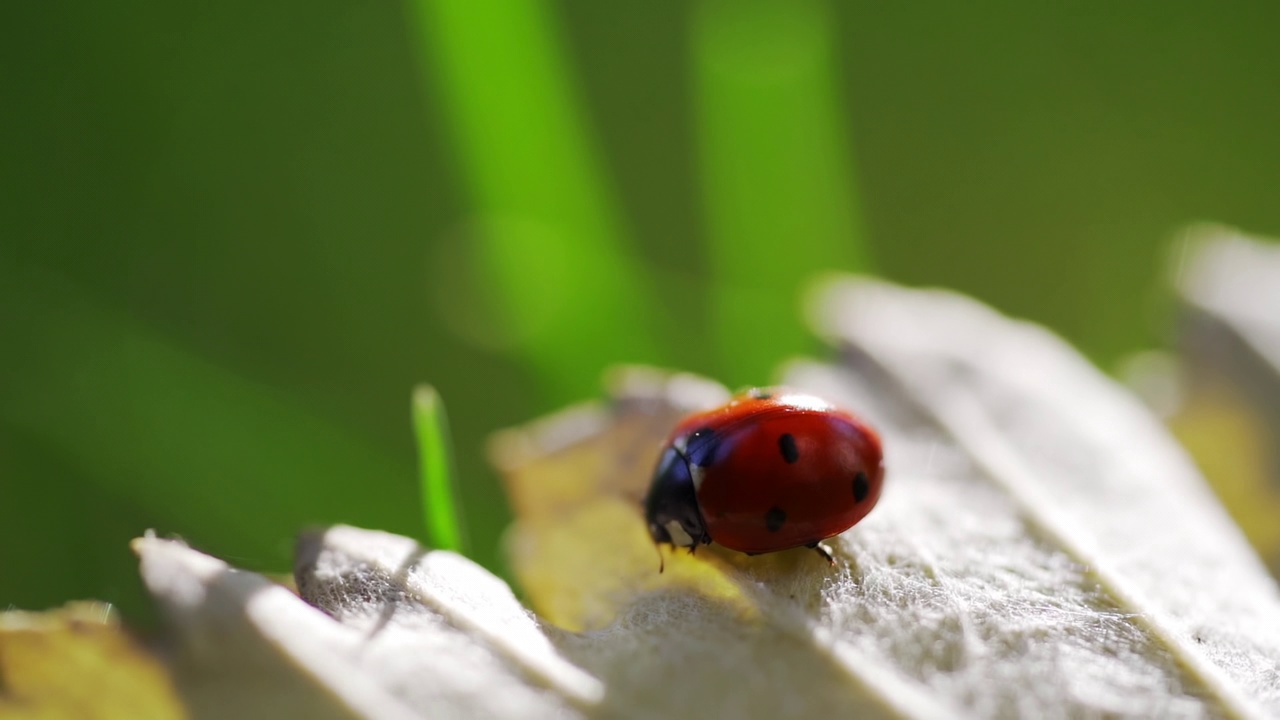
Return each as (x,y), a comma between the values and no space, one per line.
(1042,549)
(437,630)
(1163,609)
(576,481)
(1229,287)
(248,648)
(77,662)
(393,631)
(448,638)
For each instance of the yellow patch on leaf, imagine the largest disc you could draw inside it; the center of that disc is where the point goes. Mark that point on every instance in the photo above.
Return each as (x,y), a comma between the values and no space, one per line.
(77,662)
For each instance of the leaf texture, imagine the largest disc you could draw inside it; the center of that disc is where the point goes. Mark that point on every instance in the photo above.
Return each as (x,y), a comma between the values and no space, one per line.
(1042,549)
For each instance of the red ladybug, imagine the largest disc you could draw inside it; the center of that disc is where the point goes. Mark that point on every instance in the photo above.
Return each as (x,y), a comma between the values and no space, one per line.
(773,469)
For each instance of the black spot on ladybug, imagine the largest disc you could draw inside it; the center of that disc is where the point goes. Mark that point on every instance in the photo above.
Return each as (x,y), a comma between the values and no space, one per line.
(774,519)
(787,444)
(861,487)
(759,394)
(702,446)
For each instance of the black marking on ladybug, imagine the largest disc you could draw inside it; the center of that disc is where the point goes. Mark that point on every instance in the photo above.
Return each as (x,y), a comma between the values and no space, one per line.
(701,447)
(759,394)
(787,444)
(861,487)
(774,519)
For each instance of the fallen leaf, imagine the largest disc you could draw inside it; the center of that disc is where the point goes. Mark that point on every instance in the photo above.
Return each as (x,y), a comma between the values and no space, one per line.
(1229,292)
(246,647)
(77,662)
(1042,549)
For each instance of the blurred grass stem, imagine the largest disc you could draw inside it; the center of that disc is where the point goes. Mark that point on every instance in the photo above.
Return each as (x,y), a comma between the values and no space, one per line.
(780,196)
(552,250)
(440,510)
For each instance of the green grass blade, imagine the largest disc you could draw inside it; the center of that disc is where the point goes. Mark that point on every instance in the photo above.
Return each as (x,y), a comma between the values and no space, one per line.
(440,510)
(774,150)
(546,239)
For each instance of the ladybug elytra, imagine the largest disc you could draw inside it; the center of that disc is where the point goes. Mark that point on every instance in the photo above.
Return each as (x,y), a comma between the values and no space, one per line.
(773,469)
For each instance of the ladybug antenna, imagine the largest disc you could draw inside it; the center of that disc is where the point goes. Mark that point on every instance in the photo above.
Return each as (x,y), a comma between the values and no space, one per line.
(662,562)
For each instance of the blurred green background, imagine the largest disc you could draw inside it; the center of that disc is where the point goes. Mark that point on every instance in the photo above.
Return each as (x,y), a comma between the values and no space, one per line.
(235,235)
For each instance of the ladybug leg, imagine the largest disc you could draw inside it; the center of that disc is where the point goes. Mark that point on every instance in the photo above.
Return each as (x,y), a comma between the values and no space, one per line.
(822,550)
(705,540)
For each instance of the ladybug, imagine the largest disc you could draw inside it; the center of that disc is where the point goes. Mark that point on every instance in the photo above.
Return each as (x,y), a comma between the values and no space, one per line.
(773,469)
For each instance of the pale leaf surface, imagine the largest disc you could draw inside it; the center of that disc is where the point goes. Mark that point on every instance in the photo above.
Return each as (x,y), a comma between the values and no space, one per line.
(1043,549)
(246,647)
(1111,501)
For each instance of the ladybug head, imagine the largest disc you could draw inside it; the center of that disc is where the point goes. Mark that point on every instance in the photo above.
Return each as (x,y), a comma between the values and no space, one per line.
(671,507)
